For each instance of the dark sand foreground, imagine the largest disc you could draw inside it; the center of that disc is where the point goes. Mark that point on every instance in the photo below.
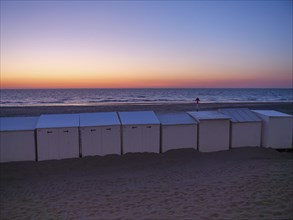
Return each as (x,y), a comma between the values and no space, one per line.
(247,183)
(286,107)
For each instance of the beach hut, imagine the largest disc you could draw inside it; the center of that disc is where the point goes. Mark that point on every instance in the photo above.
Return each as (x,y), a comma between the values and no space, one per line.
(100,134)
(57,136)
(213,130)
(245,127)
(178,130)
(140,132)
(17,139)
(277,129)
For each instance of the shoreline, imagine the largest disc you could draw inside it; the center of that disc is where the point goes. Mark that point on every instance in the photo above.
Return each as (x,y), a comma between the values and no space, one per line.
(285,107)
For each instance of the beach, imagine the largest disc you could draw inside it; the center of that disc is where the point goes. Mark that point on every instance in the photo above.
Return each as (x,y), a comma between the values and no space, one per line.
(246,183)
(286,107)
(243,183)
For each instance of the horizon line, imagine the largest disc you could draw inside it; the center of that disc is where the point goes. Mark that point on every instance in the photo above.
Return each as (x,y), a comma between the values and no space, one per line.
(54,88)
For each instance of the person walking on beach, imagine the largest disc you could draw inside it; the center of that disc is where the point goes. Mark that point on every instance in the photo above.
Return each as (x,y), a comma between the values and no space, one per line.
(197,103)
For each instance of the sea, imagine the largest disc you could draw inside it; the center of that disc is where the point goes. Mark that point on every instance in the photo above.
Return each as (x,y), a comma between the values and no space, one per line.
(63,97)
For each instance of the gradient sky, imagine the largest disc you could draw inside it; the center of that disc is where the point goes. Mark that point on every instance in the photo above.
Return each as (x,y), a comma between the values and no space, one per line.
(118,44)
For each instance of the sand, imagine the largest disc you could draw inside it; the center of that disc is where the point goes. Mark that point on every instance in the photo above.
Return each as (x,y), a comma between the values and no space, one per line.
(286,107)
(244,183)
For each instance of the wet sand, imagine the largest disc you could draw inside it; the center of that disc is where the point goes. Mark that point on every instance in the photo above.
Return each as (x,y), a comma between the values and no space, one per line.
(286,107)
(247,183)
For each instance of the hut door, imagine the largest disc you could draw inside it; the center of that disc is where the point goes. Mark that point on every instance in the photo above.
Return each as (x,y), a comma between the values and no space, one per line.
(91,141)
(68,143)
(111,140)
(151,138)
(47,142)
(132,139)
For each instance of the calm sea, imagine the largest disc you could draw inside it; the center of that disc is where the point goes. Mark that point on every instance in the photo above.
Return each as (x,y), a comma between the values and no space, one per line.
(53,97)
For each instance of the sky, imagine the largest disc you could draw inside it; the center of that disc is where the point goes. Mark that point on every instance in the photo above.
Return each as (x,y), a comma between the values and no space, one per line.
(146,44)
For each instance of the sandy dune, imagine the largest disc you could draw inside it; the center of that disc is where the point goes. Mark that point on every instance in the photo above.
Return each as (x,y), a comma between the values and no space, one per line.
(248,183)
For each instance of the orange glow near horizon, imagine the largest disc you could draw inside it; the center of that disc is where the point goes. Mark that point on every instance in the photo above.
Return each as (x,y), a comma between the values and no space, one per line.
(152,80)
(38,69)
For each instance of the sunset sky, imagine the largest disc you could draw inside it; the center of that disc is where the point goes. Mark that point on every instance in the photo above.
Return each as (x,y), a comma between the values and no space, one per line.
(122,44)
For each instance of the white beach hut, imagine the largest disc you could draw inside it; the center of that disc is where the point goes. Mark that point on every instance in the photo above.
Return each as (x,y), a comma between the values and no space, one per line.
(17,139)
(277,129)
(57,136)
(140,132)
(213,130)
(178,130)
(245,127)
(100,134)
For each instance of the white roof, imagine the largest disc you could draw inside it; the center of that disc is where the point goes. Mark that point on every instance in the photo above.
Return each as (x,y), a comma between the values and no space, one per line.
(139,118)
(58,121)
(240,115)
(180,118)
(18,123)
(208,115)
(99,119)
(271,113)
